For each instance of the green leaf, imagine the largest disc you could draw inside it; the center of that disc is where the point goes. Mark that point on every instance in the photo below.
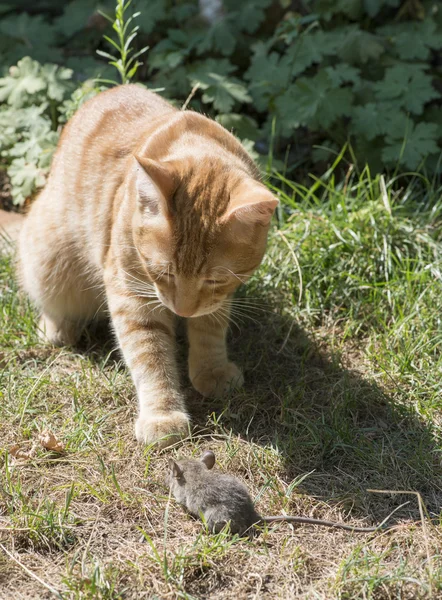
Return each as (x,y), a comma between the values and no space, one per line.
(408,85)
(314,102)
(25,179)
(414,39)
(221,91)
(309,49)
(23,81)
(153,12)
(267,76)
(32,31)
(343,73)
(419,142)
(219,38)
(355,46)
(248,15)
(75,17)
(380,118)
(58,81)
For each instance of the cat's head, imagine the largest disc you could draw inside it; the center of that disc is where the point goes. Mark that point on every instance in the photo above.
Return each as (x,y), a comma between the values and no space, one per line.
(199,229)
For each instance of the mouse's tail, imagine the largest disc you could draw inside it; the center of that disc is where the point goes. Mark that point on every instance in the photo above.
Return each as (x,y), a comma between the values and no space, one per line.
(321,523)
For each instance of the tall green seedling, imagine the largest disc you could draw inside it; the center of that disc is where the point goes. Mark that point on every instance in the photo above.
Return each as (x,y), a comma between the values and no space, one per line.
(126,60)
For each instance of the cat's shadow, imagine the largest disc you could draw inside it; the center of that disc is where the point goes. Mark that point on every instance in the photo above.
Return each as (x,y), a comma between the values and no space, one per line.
(326,420)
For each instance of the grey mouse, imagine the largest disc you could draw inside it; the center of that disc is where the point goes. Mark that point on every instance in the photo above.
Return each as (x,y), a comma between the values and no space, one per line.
(223,499)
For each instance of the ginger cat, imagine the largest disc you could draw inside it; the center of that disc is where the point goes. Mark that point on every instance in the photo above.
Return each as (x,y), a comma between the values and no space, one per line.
(149,212)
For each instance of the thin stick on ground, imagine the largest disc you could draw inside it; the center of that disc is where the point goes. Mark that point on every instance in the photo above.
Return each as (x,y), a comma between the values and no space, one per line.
(31,574)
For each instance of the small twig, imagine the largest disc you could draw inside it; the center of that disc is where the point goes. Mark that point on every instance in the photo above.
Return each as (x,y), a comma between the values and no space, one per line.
(388,517)
(31,574)
(295,258)
(286,339)
(424,526)
(83,558)
(193,91)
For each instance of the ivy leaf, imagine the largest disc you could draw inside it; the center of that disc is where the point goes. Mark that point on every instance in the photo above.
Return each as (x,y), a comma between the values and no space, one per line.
(31,31)
(221,91)
(152,12)
(309,49)
(314,102)
(267,76)
(357,46)
(250,14)
(419,142)
(219,38)
(380,118)
(343,73)
(220,66)
(408,85)
(172,51)
(23,81)
(75,16)
(413,40)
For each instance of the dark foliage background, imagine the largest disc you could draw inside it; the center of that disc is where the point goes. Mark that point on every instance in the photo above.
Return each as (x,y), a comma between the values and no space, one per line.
(296,80)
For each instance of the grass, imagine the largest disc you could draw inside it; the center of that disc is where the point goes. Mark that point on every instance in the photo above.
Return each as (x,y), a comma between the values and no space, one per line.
(343,395)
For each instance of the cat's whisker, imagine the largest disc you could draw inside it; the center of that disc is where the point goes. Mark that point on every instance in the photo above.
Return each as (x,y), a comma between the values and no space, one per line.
(242,315)
(250,308)
(236,275)
(143,283)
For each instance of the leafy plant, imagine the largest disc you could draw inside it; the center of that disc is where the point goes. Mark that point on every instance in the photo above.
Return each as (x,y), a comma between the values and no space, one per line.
(126,62)
(33,97)
(294,77)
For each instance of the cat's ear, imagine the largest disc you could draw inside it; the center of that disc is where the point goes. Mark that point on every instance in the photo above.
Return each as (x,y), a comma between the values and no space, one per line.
(252,204)
(208,458)
(175,469)
(156,184)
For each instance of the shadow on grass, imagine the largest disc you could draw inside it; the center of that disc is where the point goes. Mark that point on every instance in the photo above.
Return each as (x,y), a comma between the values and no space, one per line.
(325,419)
(331,420)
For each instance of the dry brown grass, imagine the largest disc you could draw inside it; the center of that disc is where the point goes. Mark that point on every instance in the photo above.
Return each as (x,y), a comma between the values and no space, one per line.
(345,403)
(95,549)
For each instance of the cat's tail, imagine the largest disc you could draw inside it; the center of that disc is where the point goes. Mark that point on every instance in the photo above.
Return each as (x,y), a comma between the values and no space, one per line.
(10,226)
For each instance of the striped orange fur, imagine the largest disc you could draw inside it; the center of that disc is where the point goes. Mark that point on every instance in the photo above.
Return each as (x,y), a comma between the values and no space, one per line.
(148,212)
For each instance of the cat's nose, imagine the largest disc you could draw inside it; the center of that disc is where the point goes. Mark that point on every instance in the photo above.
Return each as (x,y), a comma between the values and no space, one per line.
(183,313)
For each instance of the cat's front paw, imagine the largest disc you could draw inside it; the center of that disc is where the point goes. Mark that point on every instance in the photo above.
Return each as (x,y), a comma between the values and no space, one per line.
(163,428)
(215,382)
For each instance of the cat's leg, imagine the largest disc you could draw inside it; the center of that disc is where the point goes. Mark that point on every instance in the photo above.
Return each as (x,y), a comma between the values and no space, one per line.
(210,371)
(147,338)
(53,276)
(59,331)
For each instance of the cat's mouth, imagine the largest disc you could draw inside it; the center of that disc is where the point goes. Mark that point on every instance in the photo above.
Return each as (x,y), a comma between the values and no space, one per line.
(186,314)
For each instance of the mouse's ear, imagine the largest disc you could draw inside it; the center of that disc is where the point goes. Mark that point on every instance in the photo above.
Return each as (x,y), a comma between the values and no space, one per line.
(175,469)
(208,458)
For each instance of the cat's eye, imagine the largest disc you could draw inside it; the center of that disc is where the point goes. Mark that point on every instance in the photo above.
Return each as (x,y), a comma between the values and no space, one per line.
(213,282)
(165,277)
